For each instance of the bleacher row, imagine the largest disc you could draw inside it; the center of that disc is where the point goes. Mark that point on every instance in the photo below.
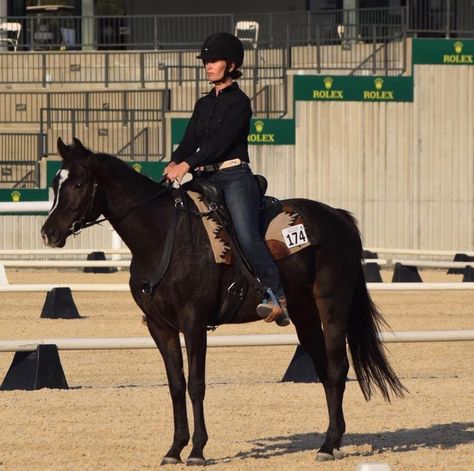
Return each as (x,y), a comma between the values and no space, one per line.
(118,101)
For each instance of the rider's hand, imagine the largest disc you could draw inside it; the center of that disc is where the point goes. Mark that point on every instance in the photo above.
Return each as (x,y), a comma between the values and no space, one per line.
(176,172)
(168,168)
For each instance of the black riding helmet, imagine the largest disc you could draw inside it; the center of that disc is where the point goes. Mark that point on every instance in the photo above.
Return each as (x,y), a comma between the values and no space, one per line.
(224,46)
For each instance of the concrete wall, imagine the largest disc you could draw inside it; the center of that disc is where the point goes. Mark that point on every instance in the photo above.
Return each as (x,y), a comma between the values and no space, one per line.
(406,170)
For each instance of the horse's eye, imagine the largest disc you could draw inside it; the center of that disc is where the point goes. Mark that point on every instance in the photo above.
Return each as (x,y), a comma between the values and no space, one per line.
(79,184)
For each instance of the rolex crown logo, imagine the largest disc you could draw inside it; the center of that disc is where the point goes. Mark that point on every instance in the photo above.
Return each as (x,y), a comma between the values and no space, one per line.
(378,83)
(458,45)
(16,196)
(137,167)
(259,125)
(328,83)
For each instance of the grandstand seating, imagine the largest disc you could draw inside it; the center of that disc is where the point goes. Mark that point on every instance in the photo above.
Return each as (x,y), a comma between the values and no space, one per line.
(51,83)
(10,34)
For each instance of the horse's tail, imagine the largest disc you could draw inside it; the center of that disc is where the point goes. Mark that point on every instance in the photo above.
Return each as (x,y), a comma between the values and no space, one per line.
(368,354)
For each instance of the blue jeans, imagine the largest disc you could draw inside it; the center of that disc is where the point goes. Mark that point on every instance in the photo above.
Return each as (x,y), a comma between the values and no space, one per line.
(242,198)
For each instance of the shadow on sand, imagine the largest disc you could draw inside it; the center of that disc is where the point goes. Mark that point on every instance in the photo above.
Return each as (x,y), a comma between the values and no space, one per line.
(437,436)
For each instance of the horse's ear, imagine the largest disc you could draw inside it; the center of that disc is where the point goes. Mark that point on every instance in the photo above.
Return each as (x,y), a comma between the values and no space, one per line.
(64,150)
(78,146)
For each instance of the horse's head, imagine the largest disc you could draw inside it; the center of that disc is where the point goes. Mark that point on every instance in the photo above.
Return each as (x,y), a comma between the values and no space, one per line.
(75,194)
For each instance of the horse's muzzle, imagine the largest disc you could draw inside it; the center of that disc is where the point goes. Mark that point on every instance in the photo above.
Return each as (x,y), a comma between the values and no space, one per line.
(51,237)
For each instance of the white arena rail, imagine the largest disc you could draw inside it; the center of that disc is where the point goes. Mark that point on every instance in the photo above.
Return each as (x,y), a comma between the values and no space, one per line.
(64,252)
(64,263)
(111,287)
(442,253)
(77,287)
(378,261)
(25,206)
(92,263)
(432,263)
(257,340)
(420,286)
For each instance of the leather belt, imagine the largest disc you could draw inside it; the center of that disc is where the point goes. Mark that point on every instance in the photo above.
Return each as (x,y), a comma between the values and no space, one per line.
(219,166)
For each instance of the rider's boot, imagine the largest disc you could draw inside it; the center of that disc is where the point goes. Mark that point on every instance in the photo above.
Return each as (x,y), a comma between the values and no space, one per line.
(274,310)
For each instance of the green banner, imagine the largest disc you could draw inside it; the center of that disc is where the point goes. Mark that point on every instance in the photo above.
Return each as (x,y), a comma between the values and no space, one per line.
(178,126)
(262,131)
(348,88)
(443,51)
(276,132)
(153,170)
(21,194)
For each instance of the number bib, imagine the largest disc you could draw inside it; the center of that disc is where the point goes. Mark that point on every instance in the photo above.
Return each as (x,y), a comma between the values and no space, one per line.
(294,236)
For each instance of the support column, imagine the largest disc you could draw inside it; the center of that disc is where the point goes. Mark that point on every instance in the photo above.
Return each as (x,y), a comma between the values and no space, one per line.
(349,21)
(88,25)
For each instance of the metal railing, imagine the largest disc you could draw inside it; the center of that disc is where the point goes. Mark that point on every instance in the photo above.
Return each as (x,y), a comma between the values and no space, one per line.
(108,67)
(441,17)
(171,84)
(20,156)
(381,46)
(25,107)
(185,31)
(267,88)
(131,134)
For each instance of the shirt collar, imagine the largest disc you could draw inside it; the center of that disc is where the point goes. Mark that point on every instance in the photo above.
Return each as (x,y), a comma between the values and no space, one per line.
(233,86)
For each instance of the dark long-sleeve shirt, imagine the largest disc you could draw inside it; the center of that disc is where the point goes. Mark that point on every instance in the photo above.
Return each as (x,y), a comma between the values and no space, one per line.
(217,130)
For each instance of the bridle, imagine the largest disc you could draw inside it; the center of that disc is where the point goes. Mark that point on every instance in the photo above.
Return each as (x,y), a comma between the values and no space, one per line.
(79,224)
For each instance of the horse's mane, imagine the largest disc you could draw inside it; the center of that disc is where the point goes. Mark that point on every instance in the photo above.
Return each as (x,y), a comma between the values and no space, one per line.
(120,169)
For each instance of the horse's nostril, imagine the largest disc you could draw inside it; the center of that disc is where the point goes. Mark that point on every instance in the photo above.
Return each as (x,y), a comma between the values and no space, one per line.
(49,235)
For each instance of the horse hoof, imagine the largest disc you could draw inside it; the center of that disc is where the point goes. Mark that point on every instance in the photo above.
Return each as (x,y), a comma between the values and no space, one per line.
(338,454)
(170,460)
(195,462)
(321,456)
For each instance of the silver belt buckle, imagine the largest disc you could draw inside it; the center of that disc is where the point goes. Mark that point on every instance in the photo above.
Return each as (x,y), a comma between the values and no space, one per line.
(230,163)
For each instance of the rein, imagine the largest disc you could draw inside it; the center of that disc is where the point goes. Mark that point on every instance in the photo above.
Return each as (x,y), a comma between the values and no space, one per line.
(80,224)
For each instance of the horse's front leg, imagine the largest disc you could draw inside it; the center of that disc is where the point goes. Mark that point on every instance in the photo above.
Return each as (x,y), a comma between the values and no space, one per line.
(196,344)
(167,341)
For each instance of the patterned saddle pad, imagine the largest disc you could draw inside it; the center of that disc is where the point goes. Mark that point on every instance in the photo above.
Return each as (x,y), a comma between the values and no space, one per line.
(285,235)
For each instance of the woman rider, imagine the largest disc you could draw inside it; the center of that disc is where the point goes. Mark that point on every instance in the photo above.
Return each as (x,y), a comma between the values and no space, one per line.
(215,144)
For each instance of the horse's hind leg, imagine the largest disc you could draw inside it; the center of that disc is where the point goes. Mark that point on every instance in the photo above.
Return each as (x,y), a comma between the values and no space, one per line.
(167,341)
(305,316)
(334,312)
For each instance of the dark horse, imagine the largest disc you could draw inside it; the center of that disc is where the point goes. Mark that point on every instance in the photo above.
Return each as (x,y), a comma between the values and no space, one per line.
(327,296)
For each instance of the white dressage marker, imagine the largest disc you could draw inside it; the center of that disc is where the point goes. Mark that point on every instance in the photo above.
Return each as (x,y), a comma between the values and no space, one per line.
(3,276)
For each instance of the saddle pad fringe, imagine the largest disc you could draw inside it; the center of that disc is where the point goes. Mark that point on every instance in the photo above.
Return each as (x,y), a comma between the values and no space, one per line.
(217,236)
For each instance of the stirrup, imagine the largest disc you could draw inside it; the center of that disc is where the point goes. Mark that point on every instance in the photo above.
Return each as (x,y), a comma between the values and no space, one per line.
(270,311)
